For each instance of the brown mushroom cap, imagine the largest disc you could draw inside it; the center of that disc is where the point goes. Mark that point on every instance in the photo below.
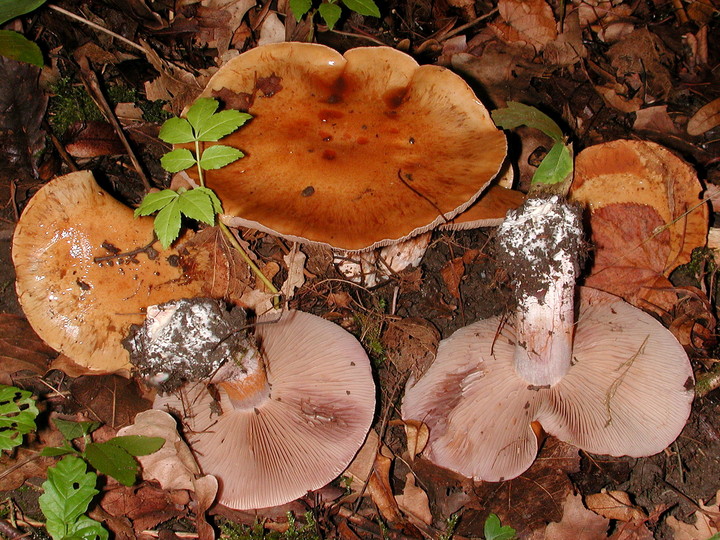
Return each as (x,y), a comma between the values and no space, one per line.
(78,306)
(331,135)
(629,392)
(273,443)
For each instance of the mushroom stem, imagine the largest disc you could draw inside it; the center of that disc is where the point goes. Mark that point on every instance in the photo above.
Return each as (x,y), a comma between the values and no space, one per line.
(541,242)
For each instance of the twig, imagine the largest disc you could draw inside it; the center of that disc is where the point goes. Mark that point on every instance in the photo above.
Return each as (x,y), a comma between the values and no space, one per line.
(10,532)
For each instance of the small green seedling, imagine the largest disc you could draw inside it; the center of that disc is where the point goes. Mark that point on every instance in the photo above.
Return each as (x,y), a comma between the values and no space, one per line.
(17,416)
(495,531)
(558,163)
(330,10)
(12,44)
(202,124)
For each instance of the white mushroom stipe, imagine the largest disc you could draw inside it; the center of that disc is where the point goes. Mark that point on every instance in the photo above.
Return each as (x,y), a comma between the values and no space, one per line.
(540,243)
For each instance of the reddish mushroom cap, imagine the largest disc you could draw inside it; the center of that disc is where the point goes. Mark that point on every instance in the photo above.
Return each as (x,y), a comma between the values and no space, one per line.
(278,439)
(628,393)
(353,151)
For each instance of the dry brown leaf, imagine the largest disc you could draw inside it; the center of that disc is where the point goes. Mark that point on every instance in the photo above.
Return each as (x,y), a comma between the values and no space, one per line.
(533,19)
(654,119)
(379,489)
(173,466)
(414,501)
(20,347)
(25,462)
(578,523)
(362,465)
(705,119)
(417,434)
(693,321)
(146,506)
(295,261)
(411,344)
(705,527)
(568,49)
(452,273)
(614,505)
(614,96)
(112,399)
(94,139)
(205,490)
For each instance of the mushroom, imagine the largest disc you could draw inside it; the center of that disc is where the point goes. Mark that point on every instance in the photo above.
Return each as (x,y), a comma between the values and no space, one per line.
(87,269)
(284,416)
(611,381)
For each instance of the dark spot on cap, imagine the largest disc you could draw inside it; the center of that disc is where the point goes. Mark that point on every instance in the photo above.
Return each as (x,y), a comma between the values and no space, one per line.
(308,191)
(84,286)
(329,154)
(527,405)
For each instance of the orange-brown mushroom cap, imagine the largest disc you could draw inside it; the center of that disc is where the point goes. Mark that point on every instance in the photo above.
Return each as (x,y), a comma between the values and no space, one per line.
(352,151)
(629,392)
(78,306)
(274,442)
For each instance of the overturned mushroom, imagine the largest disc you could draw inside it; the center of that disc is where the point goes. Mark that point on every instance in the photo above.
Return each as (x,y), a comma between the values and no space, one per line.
(284,414)
(86,270)
(616,382)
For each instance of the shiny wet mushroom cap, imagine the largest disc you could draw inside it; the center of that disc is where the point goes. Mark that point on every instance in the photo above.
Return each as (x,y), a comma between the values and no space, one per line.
(290,422)
(355,151)
(86,270)
(628,392)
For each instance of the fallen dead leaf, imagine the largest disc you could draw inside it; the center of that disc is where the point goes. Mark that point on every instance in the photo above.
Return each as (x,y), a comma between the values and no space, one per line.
(295,261)
(362,465)
(614,505)
(417,434)
(654,119)
(414,502)
(411,344)
(533,20)
(380,491)
(577,523)
(21,349)
(705,119)
(452,273)
(93,139)
(111,399)
(146,506)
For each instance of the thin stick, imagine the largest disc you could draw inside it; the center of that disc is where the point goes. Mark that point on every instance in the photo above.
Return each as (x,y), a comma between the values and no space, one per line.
(231,237)
(96,27)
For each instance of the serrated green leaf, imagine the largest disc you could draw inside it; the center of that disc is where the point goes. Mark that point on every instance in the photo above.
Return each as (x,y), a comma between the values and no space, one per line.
(201,112)
(494,531)
(86,528)
(518,114)
(363,7)
(152,202)
(300,8)
(55,451)
(177,160)
(197,205)
(9,9)
(221,124)
(219,155)
(68,491)
(17,416)
(176,131)
(167,224)
(556,167)
(217,205)
(72,430)
(330,14)
(113,460)
(138,445)
(18,47)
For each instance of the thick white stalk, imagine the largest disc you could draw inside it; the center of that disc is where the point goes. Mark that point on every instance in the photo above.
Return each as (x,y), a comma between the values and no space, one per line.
(541,242)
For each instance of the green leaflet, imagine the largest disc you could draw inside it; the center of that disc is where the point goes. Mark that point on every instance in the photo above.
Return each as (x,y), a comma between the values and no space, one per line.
(556,167)
(17,47)
(518,114)
(197,205)
(112,460)
(155,201)
(72,430)
(330,14)
(68,491)
(17,416)
(494,531)
(300,8)
(363,7)
(178,160)
(167,224)
(9,9)
(216,157)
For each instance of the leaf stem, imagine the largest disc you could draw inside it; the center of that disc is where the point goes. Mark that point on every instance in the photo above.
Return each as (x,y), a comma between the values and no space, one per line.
(201,177)
(231,237)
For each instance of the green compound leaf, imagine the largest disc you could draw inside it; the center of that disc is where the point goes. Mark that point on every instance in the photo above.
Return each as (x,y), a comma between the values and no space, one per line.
(219,155)
(221,124)
(68,491)
(152,202)
(18,47)
(300,8)
(167,224)
(17,416)
(72,430)
(9,9)
(86,529)
(177,131)
(113,460)
(217,205)
(556,167)
(177,160)
(518,114)
(330,14)
(197,205)
(138,445)
(363,7)
(494,531)
(201,112)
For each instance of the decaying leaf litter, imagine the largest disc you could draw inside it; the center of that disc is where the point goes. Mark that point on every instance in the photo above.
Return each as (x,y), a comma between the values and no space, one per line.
(607,71)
